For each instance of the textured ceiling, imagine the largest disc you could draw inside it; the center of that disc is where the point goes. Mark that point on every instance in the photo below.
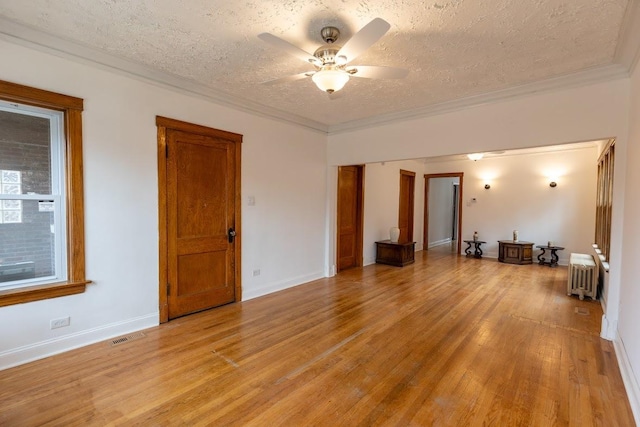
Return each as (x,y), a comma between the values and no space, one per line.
(454,49)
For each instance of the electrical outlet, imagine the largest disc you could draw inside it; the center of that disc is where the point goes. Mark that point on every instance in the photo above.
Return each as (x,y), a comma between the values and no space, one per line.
(256,272)
(60,323)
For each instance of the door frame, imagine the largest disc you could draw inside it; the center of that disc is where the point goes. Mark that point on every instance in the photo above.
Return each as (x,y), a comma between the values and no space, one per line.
(359,220)
(425,227)
(164,124)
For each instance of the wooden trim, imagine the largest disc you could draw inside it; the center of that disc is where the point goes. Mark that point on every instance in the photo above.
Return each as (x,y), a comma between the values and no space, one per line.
(238,217)
(360,232)
(164,124)
(37,97)
(604,198)
(72,109)
(197,129)
(605,149)
(162,225)
(425,227)
(40,292)
(75,201)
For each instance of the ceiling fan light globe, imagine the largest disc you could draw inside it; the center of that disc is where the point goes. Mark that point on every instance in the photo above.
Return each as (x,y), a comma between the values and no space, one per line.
(330,80)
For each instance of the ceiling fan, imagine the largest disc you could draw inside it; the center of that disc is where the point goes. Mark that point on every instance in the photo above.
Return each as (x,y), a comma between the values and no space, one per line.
(331,60)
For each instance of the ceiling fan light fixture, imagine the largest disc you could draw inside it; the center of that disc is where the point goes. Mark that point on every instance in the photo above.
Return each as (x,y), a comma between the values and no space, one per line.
(330,80)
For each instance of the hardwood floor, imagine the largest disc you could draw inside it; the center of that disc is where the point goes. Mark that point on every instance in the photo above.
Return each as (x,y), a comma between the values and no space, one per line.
(447,341)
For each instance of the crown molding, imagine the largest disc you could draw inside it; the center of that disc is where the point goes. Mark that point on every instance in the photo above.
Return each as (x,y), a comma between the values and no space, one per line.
(42,41)
(626,58)
(581,78)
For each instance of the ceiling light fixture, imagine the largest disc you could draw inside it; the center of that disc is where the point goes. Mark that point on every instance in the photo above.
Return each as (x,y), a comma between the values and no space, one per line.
(475,156)
(330,79)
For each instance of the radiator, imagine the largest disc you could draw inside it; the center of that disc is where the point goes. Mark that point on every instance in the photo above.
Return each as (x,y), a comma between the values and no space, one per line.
(583,276)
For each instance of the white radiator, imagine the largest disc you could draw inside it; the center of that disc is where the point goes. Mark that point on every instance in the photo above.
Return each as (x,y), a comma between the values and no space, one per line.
(583,276)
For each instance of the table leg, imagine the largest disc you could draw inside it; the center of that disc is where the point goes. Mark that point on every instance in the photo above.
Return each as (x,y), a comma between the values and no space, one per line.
(478,251)
(541,259)
(468,250)
(554,258)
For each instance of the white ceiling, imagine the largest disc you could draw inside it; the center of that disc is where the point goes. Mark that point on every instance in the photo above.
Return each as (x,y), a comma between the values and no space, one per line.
(458,52)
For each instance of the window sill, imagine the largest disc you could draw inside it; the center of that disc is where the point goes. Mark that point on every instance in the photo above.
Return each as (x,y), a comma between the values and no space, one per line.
(41,292)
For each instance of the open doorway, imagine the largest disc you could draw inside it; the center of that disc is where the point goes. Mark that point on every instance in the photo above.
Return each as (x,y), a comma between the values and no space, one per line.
(443,211)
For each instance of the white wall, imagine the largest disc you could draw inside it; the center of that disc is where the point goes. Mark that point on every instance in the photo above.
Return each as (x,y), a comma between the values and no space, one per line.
(578,114)
(283,167)
(520,199)
(440,210)
(628,340)
(381,198)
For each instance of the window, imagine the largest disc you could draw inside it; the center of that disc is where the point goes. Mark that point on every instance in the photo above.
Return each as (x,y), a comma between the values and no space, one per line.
(604,200)
(41,195)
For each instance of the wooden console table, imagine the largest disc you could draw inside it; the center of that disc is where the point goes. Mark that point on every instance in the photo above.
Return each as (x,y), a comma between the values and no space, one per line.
(398,254)
(512,252)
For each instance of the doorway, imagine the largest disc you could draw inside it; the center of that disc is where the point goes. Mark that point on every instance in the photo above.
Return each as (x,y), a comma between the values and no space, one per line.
(350,218)
(199,217)
(443,210)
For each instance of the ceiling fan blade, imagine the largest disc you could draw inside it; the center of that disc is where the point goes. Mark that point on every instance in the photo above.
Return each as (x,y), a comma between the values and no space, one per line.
(289,78)
(376,72)
(287,47)
(364,39)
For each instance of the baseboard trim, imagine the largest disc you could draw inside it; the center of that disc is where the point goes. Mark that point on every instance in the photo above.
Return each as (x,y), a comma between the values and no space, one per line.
(628,378)
(438,243)
(29,353)
(248,294)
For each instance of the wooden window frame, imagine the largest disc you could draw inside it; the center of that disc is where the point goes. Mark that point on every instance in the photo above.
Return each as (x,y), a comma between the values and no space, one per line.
(604,199)
(72,108)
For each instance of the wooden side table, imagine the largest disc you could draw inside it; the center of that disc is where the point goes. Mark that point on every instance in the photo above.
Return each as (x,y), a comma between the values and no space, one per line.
(553,262)
(477,252)
(511,252)
(398,254)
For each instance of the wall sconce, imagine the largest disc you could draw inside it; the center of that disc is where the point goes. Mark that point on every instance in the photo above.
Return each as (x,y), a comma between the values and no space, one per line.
(475,156)
(553,184)
(487,186)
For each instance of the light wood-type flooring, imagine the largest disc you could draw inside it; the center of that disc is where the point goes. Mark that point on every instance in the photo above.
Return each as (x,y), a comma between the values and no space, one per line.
(447,341)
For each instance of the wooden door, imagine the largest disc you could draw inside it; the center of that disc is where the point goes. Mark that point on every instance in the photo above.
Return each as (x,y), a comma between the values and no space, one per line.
(201,219)
(407,197)
(350,216)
